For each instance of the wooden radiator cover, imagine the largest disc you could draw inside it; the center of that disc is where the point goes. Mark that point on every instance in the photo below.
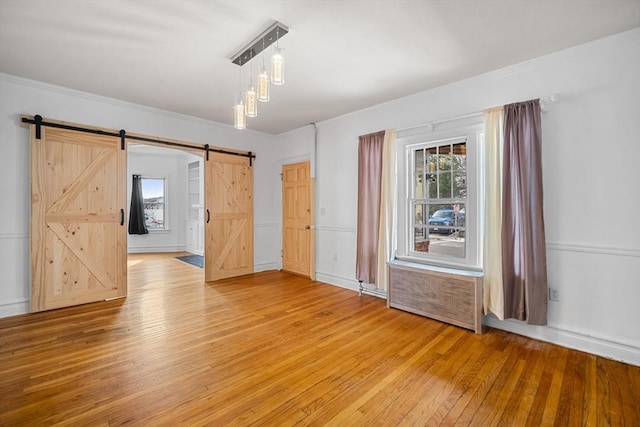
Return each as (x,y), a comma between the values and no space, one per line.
(442,294)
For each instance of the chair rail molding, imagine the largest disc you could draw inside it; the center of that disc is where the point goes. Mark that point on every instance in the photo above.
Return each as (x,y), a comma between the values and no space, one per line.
(593,249)
(336,228)
(13,236)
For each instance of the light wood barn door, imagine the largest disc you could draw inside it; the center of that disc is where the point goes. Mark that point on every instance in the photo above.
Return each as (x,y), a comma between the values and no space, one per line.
(296,219)
(228,216)
(78,232)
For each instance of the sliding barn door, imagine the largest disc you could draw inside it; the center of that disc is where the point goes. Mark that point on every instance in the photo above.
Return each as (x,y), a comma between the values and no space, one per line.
(228,216)
(78,235)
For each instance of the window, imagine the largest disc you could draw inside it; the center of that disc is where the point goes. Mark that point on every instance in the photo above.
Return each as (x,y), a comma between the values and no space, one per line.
(438,205)
(439,197)
(153,195)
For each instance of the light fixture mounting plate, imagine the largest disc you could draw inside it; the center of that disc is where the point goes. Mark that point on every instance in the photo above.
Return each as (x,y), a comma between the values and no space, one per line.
(257,45)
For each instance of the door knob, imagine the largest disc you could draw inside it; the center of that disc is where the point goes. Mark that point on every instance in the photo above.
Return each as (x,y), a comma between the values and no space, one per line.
(306,227)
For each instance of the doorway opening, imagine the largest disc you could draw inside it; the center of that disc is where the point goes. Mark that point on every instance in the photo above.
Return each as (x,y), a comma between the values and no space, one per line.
(173,203)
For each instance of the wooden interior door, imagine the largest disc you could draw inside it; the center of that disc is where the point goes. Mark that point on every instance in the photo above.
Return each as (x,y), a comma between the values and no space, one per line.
(78,232)
(228,216)
(297,235)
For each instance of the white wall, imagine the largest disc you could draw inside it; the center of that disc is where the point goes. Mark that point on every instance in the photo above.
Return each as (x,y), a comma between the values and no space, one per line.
(19,96)
(591,153)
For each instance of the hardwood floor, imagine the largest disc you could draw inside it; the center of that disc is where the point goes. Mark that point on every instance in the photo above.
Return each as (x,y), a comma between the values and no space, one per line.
(276,349)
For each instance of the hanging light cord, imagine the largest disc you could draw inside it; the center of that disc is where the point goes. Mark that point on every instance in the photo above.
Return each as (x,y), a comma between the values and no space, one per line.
(251,71)
(240,80)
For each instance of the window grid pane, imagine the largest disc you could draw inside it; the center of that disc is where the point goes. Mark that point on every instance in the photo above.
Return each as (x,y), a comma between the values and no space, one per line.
(439,204)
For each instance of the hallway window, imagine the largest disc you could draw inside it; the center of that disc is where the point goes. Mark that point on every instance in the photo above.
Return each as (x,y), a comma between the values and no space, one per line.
(154,195)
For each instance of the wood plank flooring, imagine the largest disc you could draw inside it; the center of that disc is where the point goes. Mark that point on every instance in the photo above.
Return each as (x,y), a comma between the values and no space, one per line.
(275,349)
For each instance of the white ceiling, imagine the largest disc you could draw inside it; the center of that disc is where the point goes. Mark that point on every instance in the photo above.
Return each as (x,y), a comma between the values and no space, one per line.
(341,56)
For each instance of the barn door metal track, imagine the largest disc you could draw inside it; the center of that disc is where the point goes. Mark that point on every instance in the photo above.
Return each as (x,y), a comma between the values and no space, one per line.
(39,122)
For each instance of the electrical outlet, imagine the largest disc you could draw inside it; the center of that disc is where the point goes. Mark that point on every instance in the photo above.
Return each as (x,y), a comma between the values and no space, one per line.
(335,256)
(554,294)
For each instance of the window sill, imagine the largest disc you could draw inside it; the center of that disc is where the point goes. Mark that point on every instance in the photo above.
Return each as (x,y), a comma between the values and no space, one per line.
(437,265)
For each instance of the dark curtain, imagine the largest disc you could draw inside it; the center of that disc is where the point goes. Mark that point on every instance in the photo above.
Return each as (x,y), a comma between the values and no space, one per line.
(524,260)
(136,213)
(370,150)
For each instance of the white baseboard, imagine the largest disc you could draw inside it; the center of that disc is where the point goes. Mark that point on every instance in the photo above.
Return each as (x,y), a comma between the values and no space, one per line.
(265,266)
(340,281)
(347,283)
(154,249)
(13,308)
(351,284)
(578,341)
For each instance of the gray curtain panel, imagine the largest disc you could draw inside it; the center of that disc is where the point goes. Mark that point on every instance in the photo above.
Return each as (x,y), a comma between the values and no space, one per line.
(136,213)
(370,151)
(524,261)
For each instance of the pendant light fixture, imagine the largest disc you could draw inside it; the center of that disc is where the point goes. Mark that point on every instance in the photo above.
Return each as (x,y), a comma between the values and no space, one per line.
(239,120)
(277,64)
(246,104)
(250,100)
(263,81)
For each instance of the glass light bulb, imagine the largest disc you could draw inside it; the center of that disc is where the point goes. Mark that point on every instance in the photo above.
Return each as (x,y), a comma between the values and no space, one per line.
(277,67)
(263,86)
(250,102)
(240,122)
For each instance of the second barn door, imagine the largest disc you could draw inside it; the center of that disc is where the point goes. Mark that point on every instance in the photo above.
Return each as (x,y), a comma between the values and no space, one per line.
(228,216)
